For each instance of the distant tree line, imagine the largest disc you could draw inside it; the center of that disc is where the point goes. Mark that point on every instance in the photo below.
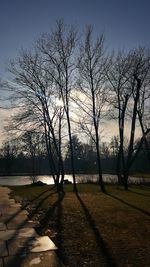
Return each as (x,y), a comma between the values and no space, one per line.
(68,84)
(28,156)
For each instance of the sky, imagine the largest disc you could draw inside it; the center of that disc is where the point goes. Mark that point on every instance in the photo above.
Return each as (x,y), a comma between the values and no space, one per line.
(125,23)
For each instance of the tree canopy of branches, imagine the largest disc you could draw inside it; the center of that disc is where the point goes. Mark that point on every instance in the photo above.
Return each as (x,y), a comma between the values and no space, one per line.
(59,54)
(59,71)
(92,66)
(129,77)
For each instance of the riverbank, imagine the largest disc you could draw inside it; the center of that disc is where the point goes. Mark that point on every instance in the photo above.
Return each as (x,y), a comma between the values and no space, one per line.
(80,178)
(92,228)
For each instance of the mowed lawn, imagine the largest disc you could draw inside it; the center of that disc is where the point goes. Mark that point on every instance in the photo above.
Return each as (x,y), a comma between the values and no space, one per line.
(92,228)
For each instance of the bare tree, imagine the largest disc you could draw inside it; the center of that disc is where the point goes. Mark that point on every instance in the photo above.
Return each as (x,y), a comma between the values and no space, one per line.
(119,82)
(43,84)
(9,151)
(141,96)
(127,76)
(30,145)
(105,152)
(114,145)
(34,95)
(58,49)
(92,66)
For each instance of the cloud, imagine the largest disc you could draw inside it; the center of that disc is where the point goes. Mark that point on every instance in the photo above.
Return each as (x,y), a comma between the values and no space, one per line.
(5,114)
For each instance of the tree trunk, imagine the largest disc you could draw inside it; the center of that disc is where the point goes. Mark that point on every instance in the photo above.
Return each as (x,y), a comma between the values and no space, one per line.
(100,178)
(144,136)
(101,183)
(121,159)
(125,180)
(60,163)
(130,150)
(72,152)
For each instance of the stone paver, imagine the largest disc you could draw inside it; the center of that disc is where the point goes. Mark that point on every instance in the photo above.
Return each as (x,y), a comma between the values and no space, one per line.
(44,259)
(3,249)
(2,226)
(42,243)
(18,225)
(30,244)
(20,216)
(20,245)
(21,233)
(5,209)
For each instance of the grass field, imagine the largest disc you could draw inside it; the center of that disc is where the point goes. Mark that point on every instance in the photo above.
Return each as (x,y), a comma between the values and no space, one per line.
(92,228)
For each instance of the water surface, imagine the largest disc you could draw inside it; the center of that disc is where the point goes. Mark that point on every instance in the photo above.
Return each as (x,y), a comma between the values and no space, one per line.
(25,180)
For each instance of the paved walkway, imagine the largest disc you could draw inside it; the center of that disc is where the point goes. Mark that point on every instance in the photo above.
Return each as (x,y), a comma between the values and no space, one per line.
(20,245)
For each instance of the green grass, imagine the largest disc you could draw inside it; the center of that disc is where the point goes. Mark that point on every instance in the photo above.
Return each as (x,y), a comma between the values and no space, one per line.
(92,228)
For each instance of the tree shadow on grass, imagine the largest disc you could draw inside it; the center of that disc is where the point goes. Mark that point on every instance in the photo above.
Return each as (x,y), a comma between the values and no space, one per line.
(59,226)
(145,187)
(138,193)
(52,211)
(129,204)
(54,216)
(102,246)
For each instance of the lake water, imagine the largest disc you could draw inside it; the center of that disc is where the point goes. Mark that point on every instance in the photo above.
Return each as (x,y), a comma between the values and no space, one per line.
(25,180)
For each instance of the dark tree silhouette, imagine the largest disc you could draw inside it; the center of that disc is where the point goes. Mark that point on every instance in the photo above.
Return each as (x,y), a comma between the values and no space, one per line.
(91,65)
